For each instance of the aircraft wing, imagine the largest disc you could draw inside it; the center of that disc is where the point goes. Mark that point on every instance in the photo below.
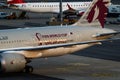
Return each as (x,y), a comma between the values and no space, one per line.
(56,45)
(106,34)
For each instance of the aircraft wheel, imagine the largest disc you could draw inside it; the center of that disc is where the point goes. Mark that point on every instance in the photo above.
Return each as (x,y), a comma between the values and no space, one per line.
(28,69)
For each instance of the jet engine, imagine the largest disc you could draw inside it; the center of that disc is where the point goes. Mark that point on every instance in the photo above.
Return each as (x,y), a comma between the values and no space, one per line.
(12,62)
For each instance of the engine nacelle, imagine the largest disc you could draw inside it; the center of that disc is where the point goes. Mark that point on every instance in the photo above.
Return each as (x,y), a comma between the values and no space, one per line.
(11,62)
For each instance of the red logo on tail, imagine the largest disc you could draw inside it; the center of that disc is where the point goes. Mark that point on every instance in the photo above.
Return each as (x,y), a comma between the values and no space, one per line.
(98,11)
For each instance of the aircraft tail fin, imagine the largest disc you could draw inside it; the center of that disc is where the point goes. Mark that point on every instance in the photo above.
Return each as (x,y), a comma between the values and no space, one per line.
(95,15)
(15,1)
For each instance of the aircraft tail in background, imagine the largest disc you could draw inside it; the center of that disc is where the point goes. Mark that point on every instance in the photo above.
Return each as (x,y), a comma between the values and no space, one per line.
(15,1)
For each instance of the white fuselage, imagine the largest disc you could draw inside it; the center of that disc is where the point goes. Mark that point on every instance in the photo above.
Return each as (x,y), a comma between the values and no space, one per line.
(45,36)
(51,6)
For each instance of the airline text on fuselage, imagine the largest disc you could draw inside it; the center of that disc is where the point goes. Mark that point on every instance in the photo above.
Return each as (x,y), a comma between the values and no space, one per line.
(61,35)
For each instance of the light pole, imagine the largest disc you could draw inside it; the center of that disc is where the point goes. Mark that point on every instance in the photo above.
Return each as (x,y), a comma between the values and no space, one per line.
(61,19)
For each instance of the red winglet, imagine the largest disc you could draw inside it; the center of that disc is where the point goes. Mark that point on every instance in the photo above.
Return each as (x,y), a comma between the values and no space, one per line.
(100,6)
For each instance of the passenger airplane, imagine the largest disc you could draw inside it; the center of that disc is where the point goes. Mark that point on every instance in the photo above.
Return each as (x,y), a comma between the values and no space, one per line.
(19,46)
(45,6)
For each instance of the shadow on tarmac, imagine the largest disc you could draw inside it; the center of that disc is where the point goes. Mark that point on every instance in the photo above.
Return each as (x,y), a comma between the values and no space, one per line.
(107,51)
(2,27)
(25,76)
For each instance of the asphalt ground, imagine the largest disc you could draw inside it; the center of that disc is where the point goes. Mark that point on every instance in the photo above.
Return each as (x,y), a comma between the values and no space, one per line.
(100,62)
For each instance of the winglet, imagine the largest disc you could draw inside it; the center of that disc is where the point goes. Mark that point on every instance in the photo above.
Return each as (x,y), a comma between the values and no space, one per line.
(95,15)
(98,11)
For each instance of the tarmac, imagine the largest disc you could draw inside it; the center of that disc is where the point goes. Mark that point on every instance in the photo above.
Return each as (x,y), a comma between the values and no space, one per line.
(100,62)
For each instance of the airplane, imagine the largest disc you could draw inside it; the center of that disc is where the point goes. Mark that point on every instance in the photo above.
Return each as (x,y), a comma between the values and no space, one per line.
(19,46)
(45,6)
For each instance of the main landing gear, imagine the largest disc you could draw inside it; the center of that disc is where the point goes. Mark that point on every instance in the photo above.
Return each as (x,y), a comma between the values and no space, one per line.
(28,69)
